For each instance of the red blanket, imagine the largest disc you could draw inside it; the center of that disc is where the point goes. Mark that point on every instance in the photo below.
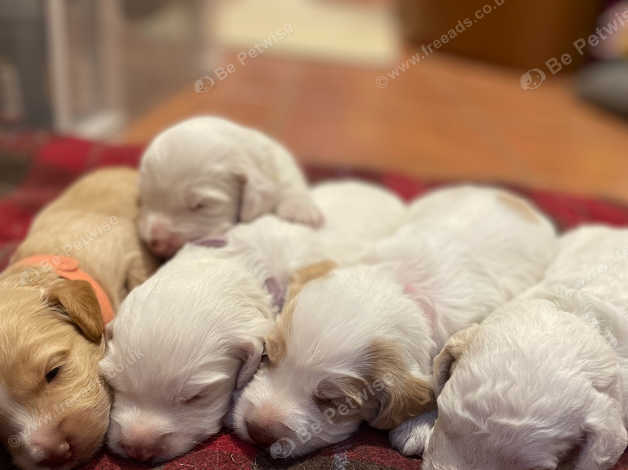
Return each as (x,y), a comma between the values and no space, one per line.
(35,168)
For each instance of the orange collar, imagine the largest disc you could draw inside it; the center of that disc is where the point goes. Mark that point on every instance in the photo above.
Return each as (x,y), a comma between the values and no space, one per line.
(68,268)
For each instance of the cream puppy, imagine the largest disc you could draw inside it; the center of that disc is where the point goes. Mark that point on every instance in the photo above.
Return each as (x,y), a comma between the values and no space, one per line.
(200,322)
(357,344)
(54,406)
(203,175)
(545,376)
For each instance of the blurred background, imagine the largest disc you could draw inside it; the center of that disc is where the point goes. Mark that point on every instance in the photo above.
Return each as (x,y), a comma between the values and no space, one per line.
(531,92)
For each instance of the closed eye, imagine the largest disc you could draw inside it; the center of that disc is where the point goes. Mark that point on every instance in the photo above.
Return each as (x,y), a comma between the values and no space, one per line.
(211,389)
(55,365)
(52,374)
(198,206)
(195,399)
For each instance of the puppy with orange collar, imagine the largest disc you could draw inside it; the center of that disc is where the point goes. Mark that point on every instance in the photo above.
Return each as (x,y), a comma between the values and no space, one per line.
(80,259)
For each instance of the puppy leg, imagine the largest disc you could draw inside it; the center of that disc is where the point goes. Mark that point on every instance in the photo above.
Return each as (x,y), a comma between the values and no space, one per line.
(299,207)
(606,436)
(411,437)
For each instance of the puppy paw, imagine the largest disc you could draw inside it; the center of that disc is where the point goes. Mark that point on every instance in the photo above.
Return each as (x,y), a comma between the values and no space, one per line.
(412,436)
(302,210)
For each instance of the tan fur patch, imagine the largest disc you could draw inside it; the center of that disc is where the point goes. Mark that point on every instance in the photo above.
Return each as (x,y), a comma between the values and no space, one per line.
(276,339)
(445,361)
(309,273)
(520,206)
(346,397)
(386,395)
(403,396)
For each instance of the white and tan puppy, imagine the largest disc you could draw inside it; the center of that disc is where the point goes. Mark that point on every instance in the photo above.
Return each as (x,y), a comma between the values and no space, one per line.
(203,175)
(54,406)
(200,322)
(545,376)
(357,344)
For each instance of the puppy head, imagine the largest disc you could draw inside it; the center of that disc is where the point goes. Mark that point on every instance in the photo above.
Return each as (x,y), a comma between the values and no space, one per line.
(54,406)
(314,390)
(195,182)
(183,204)
(490,416)
(175,355)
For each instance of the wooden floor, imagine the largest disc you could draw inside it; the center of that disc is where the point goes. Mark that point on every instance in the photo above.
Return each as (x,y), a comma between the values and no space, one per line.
(445,118)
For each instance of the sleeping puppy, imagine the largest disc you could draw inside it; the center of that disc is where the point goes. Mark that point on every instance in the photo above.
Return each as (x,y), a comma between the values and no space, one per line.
(199,323)
(357,344)
(545,376)
(54,407)
(206,174)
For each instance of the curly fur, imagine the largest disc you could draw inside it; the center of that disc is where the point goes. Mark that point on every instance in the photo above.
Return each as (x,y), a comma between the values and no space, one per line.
(360,340)
(205,174)
(543,379)
(48,322)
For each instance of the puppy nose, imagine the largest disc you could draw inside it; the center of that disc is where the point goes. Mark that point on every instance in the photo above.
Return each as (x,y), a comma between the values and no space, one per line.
(159,227)
(165,248)
(265,434)
(142,444)
(51,449)
(260,434)
(138,452)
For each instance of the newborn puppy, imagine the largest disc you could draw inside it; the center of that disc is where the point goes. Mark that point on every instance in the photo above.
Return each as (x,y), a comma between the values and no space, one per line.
(358,343)
(54,406)
(199,323)
(546,375)
(198,326)
(206,174)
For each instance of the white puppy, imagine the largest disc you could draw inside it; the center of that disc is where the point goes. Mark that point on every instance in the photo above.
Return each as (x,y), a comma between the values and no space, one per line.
(180,344)
(545,376)
(203,175)
(191,334)
(358,343)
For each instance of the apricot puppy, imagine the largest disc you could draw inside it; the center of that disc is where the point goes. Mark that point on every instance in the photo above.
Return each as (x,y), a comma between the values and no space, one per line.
(81,257)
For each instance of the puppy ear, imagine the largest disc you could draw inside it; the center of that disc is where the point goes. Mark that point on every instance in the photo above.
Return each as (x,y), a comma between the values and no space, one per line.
(386,396)
(77,300)
(258,195)
(444,363)
(250,353)
(276,339)
(335,391)
(400,395)
(304,275)
(275,343)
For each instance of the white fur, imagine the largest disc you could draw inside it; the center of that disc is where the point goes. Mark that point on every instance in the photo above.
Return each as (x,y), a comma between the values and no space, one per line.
(205,174)
(358,211)
(197,326)
(462,253)
(546,375)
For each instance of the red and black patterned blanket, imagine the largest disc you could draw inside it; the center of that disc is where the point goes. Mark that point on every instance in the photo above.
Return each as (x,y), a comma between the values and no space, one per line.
(35,168)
